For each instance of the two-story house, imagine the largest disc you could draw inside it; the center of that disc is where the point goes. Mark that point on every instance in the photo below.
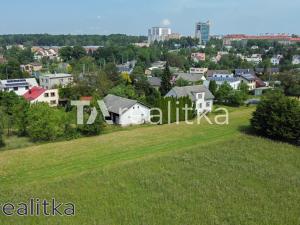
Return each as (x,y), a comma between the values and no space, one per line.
(51,81)
(199,95)
(39,94)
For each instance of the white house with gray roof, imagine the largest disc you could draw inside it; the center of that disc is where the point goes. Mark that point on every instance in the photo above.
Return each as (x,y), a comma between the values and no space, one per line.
(199,94)
(19,86)
(125,111)
(52,81)
(191,78)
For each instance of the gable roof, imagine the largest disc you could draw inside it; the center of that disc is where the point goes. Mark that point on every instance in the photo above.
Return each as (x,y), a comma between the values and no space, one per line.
(210,73)
(239,72)
(223,79)
(34,93)
(189,77)
(249,77)
(116,104)
(154,81)
(191,91)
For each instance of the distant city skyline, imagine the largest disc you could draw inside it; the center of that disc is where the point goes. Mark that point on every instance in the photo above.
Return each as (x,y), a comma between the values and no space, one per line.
(134,17)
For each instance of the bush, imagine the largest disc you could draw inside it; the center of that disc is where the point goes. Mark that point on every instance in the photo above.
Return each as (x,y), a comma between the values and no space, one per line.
(277,117)
(46,123)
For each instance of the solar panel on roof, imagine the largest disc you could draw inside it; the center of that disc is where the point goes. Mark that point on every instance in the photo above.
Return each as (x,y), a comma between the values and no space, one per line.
(16,84)
(16,81)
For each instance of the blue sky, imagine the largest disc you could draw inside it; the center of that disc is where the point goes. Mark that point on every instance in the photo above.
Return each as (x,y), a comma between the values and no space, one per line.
(135,16)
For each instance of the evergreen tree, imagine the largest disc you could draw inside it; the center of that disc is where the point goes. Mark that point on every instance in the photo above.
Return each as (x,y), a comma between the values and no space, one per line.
(166,81)
(213,87)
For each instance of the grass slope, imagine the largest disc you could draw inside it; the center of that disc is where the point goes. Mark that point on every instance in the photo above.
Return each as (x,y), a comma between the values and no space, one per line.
(173,174)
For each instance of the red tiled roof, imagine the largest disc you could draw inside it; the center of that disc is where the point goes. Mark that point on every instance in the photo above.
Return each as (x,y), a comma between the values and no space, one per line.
(262,37)
(34,93)
(86,98)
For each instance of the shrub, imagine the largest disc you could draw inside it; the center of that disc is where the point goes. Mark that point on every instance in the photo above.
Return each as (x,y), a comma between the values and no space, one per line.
(277,117)
(46,123)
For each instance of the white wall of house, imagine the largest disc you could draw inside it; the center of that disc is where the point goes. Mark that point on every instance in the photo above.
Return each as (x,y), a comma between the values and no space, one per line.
(49,96)
(137,114)
(55,80)
(18,89)
(203,105)
(251,84)
(235,84)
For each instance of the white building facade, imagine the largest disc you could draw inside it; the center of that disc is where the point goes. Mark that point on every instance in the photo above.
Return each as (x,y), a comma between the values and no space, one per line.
(158,34)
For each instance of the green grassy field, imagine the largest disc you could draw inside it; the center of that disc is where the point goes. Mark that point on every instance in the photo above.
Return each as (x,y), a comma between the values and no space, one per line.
(172,174)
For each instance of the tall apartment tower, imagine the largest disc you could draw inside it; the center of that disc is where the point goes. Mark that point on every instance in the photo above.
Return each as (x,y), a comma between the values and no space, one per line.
(158,34)
(202,32)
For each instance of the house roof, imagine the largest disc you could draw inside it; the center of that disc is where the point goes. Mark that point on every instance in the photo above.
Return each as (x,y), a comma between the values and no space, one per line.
(191,91)
(272,70)
(249,77)
(210,73)
(154,81)
(34,93)
(189,77)
(56,75)
(86,98)
(223,79)
(22,82)
(244,71)
(116,104)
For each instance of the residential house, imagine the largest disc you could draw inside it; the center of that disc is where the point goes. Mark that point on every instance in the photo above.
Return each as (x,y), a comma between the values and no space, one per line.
(255,59)
(198,57)
(234,82)
(261,71)
(191,78)
(154,82)
(250,80)
(199,95)
(31,67)
(198,70)
(211,73)
(125,111)
(126,67)
(51,81)
(296,60)
(19,86)
(275,60)
(239,72)
(39,94)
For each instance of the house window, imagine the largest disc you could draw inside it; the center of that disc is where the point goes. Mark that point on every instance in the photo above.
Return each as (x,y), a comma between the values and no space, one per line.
(46,95)
(207,104)
(199,96)
(53,102)
(52,94)
(200,106)
(16,88)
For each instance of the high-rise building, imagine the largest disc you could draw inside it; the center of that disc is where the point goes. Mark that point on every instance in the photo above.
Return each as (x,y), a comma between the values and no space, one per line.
(202,32)
(158,34)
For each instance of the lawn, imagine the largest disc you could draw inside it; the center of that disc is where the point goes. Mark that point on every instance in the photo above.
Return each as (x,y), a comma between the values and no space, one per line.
(172,174)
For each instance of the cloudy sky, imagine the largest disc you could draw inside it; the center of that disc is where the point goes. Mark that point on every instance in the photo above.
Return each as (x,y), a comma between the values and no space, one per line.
(135,16)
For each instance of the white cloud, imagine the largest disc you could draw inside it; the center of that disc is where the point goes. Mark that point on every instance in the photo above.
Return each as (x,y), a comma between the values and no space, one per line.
(166,22)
